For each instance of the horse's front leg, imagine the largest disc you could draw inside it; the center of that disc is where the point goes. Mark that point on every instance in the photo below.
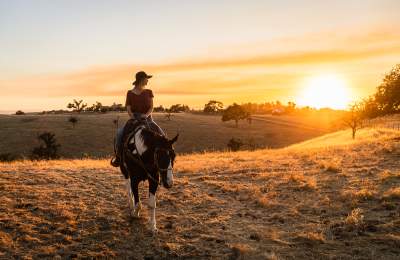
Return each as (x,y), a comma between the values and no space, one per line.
(135,211)
(131,200)
(152,205)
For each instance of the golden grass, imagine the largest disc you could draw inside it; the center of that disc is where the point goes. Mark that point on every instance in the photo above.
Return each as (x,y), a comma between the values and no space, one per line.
(265,204)
(393,193)
(93,134)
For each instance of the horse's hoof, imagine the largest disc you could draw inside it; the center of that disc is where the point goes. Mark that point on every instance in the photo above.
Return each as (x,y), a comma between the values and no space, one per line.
(136,211)
(154,230)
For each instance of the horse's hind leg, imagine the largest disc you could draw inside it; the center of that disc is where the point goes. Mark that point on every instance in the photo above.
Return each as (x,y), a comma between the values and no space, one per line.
(136,202)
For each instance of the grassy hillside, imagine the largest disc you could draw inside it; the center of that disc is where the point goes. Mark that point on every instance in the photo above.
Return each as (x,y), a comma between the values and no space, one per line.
(94,133)
(307,201)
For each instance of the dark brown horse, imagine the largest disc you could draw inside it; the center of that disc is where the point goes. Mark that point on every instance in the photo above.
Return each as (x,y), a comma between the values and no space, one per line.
(147,155)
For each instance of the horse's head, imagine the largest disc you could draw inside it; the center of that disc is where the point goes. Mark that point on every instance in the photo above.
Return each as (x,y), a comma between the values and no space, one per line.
(164,157)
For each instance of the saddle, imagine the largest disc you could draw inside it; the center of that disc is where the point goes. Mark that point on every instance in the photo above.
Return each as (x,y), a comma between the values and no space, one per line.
(130,129)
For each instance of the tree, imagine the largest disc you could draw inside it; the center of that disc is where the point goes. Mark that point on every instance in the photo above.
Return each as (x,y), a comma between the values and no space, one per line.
(213,107)
(370,108)
(234,112)
(95,107)
(73,120)
(388,93)
(49,149)
(178,108)
(77,106)
(353,118)
(159,109)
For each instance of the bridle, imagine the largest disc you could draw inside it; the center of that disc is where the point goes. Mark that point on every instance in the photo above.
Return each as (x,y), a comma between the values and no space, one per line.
(168,151)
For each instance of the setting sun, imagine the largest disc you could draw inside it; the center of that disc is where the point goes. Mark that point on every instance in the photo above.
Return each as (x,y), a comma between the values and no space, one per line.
(325,91)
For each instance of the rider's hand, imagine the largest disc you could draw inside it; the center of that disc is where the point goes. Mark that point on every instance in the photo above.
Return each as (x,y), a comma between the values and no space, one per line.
(143,116)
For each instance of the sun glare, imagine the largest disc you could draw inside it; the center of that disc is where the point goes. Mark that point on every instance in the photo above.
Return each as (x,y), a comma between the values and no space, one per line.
(325,91)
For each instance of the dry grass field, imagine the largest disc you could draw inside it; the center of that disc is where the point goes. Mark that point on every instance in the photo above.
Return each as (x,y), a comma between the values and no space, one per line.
(327,198)
(93,134)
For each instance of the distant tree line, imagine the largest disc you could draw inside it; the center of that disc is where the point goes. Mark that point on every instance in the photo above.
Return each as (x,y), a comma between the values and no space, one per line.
(177,108)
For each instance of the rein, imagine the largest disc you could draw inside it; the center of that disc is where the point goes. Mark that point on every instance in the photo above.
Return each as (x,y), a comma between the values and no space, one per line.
(143,166)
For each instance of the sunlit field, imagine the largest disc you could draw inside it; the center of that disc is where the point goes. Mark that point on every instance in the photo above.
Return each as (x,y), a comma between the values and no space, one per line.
(282,122)
(93,134)
(304,201)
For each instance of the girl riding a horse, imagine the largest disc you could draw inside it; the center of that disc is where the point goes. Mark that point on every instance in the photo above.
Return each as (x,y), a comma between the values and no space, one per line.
(139,104)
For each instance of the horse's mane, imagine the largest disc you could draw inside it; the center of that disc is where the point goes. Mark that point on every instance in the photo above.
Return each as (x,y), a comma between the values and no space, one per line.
(152,139)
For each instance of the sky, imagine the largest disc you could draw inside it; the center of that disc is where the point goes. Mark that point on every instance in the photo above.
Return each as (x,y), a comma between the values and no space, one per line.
(232,51)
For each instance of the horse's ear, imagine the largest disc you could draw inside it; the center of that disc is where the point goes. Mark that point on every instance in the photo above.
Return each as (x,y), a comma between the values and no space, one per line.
(173,140)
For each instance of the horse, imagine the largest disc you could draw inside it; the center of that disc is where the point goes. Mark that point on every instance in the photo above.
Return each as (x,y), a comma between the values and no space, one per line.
(147,155)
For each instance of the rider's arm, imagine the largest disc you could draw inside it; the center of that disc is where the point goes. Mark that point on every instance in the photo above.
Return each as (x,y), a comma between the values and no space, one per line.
(129,109)
(128,105)
(150,109)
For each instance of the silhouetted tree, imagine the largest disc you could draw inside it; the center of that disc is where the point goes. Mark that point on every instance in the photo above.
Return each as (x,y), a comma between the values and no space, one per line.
(213,107)
(159,109)
(73,120)
(48,149)
(353,118)
(178,108)
(234,112)
(95,107)
(77,106)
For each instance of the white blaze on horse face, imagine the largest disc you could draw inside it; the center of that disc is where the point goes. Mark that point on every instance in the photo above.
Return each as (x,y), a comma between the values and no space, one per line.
(170,176)
(152,209)
(140,146)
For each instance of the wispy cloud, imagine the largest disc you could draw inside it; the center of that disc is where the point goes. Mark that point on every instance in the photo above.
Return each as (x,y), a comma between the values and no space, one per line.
(260,72)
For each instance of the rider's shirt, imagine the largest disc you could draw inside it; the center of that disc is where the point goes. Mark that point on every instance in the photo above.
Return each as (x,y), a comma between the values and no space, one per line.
(139,103)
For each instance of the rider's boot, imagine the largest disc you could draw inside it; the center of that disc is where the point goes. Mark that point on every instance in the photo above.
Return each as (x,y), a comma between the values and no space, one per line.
(115,161)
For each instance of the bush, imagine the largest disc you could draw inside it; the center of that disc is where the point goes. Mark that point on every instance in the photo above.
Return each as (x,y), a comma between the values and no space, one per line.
(48,150)
(73,120)
(235,144)
(19,112)
(7,157)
